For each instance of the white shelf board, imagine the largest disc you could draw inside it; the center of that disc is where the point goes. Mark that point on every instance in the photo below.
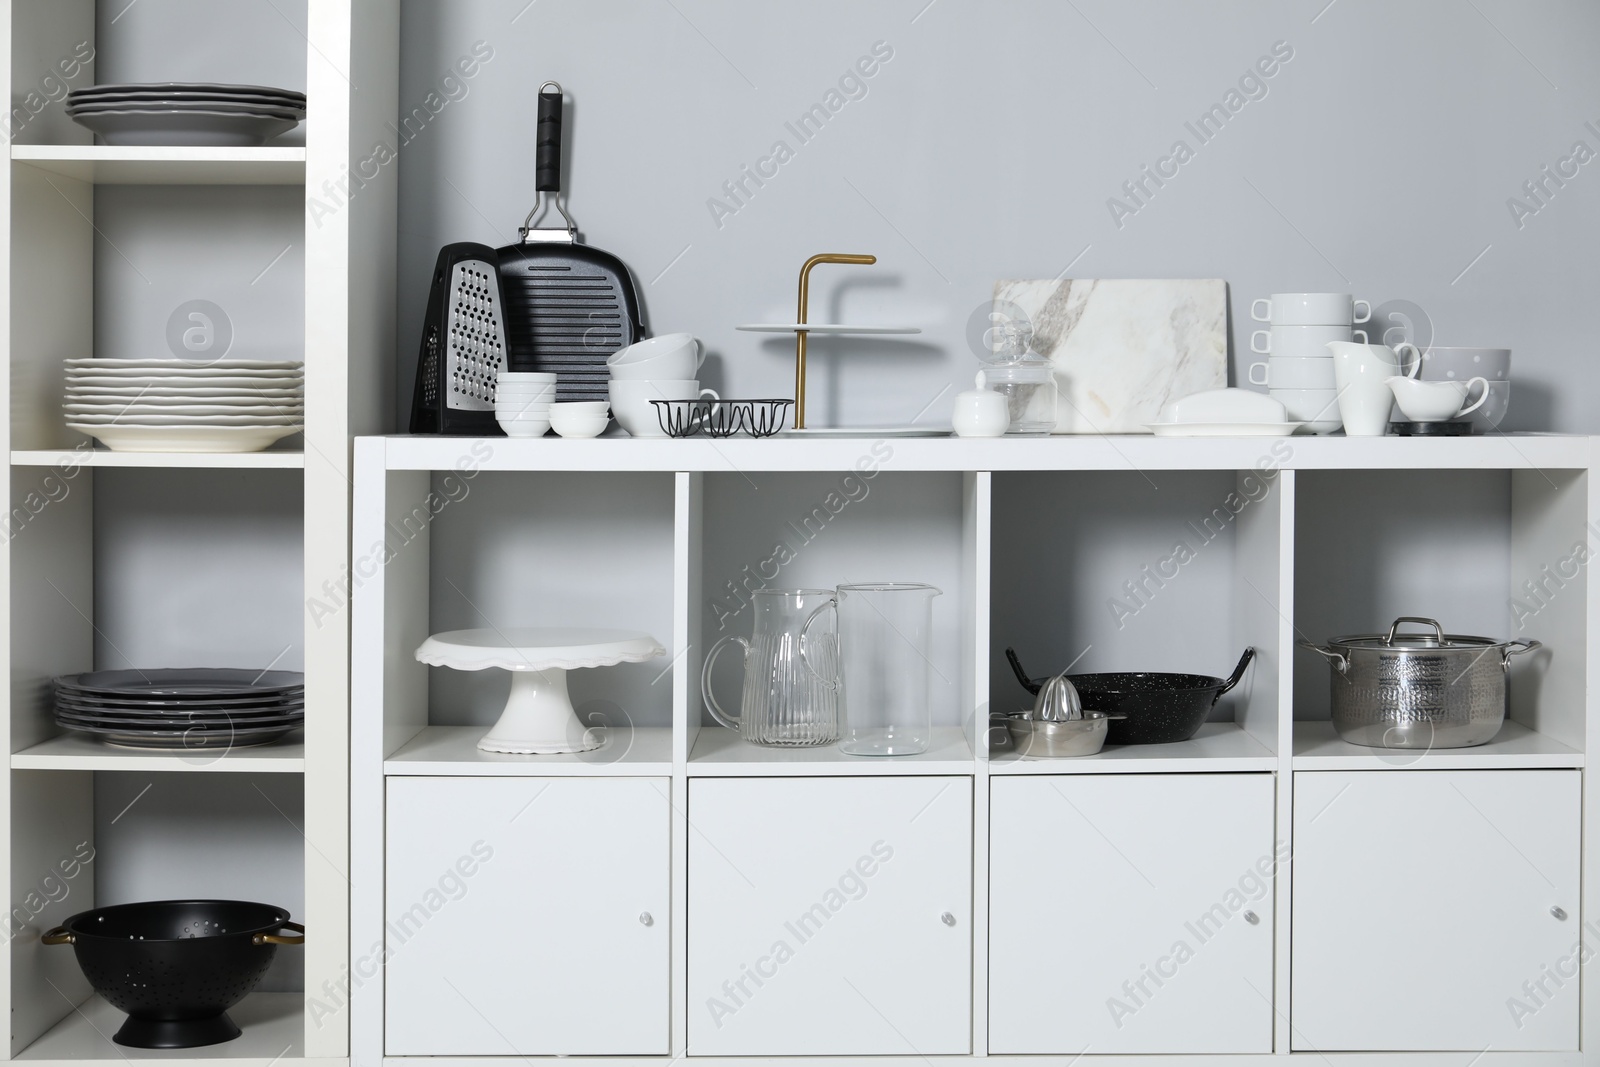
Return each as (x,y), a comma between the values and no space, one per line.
(453,750)
(1219,746)
(720,752)
(273,1024)
(76,752)
(1087,452)
(93,457)
(164,165)
(1318,748)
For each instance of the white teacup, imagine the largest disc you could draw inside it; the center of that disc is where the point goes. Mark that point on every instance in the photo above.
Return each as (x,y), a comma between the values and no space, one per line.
(1290,373)
(1436,401)
(1301,342)
(1361,373)
(671,356)
(1311,309)
(631,407)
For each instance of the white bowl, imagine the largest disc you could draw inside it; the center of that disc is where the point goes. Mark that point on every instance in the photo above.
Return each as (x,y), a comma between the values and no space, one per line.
(578,424)
(582,407)
(530,388)
(506,411)
(669,356)
(528,377)
(525,427)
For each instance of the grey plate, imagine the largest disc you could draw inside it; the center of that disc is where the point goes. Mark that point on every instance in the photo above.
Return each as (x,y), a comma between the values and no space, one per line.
(272,111)
(185,129)
(208,723)
(185,740)
(184,683)
(192,87)
(143,99)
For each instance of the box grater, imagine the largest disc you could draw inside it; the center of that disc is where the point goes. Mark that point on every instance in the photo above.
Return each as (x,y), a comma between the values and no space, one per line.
(463,344)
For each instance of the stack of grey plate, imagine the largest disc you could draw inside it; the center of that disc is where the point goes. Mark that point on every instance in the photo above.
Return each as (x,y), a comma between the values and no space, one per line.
(188,114)
(182,708)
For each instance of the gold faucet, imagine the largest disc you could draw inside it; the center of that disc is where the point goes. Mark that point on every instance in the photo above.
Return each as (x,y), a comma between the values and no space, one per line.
(800,335)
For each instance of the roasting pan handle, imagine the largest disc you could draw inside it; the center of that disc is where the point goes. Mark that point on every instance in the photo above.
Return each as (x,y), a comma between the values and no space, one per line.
(298,938)
(1238,672)
(58,936)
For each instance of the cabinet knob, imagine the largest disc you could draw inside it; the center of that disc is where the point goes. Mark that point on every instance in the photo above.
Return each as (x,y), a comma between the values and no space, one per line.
(948,919)
(646,918)
(1252,918)
(1559,912)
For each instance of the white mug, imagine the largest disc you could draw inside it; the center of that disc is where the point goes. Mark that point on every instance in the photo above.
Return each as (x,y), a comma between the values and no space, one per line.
(1310,309)
(1361,373)
(631,407)
(671,356)
(981,412)
(1301,342)
(1293,373)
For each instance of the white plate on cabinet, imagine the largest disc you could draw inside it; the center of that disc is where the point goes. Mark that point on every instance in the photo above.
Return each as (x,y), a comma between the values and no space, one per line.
(120,410)
(120,438)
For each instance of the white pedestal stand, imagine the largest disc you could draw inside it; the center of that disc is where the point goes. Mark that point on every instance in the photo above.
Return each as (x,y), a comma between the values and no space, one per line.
(538,718)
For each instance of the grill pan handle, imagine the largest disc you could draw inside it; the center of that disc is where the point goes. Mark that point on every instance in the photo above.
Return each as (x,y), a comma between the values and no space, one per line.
(298,938)
(1022,676)
(547,140)
(58,936)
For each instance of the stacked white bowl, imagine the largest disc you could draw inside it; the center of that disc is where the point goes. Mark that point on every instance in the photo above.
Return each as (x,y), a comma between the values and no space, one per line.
(1299,369)
(657,368)
(522,401)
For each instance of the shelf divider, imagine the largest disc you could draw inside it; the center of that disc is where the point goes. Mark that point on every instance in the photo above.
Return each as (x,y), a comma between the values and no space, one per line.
(167,165)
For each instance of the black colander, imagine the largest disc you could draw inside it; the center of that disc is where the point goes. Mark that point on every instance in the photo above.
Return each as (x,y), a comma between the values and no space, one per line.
(176,966)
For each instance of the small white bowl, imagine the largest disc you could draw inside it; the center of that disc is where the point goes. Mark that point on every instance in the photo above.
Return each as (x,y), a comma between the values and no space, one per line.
(518,411)
(584,407)
(525,427)
(579,424)
(527,377)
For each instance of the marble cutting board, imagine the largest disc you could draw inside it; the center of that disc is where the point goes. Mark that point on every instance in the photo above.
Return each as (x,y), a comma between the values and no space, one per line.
(1122,348)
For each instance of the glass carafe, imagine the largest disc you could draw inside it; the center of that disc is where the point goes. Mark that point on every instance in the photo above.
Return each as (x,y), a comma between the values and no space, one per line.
(885,635)
(790,693)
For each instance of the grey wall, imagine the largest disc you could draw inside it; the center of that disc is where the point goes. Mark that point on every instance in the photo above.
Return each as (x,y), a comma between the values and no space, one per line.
(1380,160)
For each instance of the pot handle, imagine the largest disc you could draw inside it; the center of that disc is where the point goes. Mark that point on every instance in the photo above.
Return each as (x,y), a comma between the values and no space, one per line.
(58,936)
(1336,660)
(1238,672)
(298,938)
(1517,648)
(1438,631)
(1022,675)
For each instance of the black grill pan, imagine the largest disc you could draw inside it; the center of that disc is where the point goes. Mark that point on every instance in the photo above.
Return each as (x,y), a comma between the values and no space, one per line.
(567,306)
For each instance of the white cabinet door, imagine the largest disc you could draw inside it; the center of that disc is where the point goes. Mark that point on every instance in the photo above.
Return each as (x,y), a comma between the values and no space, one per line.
(1131,913)
(527,916)
(1423,910)
(830,916)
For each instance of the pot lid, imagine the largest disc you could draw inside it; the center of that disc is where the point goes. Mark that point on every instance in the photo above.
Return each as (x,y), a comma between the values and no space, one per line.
(1438,639)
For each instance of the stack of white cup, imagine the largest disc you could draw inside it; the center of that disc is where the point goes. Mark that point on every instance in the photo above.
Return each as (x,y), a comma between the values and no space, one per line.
(1299,369)
(522,402)
(658,368)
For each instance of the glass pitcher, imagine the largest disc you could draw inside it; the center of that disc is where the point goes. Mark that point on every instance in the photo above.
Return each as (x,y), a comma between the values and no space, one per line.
(885,656)
(790,694)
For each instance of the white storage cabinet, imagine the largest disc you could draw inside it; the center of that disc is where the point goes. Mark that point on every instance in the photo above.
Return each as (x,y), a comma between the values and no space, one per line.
(522,916)
(1131,913)
(1437,910)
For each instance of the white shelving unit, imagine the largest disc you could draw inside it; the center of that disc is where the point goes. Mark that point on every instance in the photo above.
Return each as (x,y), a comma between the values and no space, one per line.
(77,566)
(1033,542)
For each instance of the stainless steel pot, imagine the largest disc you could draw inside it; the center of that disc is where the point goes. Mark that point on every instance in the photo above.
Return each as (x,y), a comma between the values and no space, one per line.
(1435,690)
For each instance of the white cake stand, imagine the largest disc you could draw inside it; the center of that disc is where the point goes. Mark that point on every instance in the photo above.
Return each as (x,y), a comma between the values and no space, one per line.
(538,717)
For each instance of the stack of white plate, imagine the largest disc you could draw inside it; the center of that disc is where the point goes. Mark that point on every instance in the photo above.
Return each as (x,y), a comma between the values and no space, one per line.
(186,113)
(173,405)
(522,402)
